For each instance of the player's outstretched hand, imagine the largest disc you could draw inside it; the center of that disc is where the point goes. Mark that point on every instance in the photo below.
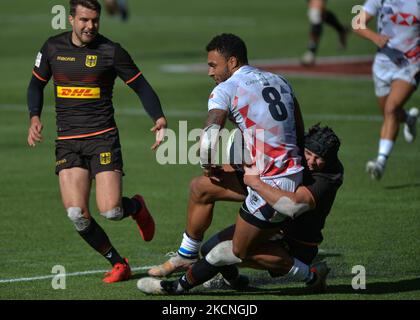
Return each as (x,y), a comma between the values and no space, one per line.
(34,132)
(159,130)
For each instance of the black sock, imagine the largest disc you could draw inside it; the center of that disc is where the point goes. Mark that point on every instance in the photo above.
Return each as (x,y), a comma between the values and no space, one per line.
(130,206)
(96,237)
(235,280)
(200,272)
(230,273)
(332,20)
(316,32)
(113,257)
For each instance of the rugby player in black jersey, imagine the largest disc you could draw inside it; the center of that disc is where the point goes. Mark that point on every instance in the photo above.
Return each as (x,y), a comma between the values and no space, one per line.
(288,249)
(84,65)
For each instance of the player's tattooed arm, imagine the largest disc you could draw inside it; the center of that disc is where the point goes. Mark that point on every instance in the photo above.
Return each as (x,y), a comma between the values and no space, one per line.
(216,116)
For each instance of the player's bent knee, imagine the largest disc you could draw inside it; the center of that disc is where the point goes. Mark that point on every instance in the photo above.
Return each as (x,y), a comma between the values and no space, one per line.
(75,214)
(222,255)
(115,214)
(198,189)
(392,112)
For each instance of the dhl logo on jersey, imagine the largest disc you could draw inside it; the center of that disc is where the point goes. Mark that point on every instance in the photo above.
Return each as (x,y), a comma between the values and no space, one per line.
(78,92)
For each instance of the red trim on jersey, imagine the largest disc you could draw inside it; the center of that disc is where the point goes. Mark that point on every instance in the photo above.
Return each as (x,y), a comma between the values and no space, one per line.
(133,78)
(38,76)
(85,135)
(244,111)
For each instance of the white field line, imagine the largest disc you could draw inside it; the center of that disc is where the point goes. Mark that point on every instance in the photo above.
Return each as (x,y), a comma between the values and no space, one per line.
(195,67)
(201,114)
(72,274)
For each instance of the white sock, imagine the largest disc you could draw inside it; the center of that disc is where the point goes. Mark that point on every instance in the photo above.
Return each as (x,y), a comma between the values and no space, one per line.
(300,271)
(189,247)
(385,148)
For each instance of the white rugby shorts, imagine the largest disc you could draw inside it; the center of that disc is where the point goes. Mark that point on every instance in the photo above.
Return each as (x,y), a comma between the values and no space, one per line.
(385,71)
(256,209)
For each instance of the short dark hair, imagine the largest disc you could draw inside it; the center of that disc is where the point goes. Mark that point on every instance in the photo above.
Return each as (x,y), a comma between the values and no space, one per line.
(90,4)
(229,45)
(323,141)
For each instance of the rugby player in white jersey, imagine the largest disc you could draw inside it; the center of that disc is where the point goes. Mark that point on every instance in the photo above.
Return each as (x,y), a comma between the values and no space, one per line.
(396,69)
(292,251)
(265,109)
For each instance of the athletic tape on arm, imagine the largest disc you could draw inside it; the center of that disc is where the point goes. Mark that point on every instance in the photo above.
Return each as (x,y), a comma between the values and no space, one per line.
(288,207)
(208,144)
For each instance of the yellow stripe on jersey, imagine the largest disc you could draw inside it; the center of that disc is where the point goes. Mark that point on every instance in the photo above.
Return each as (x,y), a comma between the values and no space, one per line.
(78,92)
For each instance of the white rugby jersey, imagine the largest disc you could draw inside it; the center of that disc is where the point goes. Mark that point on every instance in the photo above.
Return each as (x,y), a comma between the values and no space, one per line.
(399,20)
(261,104)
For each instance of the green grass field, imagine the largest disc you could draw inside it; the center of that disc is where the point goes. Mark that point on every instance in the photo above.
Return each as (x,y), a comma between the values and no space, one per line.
(373,224)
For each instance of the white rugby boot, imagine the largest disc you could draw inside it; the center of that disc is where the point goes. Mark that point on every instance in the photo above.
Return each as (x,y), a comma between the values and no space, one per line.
(174,264)
(218,282)
(150,286)
(375,169)
(410,126)
(157,286)
(308,58)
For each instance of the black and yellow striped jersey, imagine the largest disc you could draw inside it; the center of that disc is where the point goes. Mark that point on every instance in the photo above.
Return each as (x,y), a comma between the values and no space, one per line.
(83,82)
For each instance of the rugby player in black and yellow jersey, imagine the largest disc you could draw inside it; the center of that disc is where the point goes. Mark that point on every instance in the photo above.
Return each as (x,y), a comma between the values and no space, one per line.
(84,65)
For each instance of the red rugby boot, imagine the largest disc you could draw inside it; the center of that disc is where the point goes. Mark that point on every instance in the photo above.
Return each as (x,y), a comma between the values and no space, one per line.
(144,220)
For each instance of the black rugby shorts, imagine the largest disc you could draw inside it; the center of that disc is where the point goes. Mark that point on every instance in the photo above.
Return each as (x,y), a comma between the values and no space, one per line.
(97,153)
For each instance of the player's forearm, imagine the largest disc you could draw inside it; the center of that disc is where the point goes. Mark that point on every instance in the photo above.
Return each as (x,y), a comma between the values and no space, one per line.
(270,194)
(148,97)
(215,121)
(362,30)
(367,34)
(35,97)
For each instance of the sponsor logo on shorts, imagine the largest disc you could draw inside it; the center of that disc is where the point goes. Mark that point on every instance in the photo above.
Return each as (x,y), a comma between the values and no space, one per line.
(91,61)
(78,92)
(105,158)
(70,59)
(60,162)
